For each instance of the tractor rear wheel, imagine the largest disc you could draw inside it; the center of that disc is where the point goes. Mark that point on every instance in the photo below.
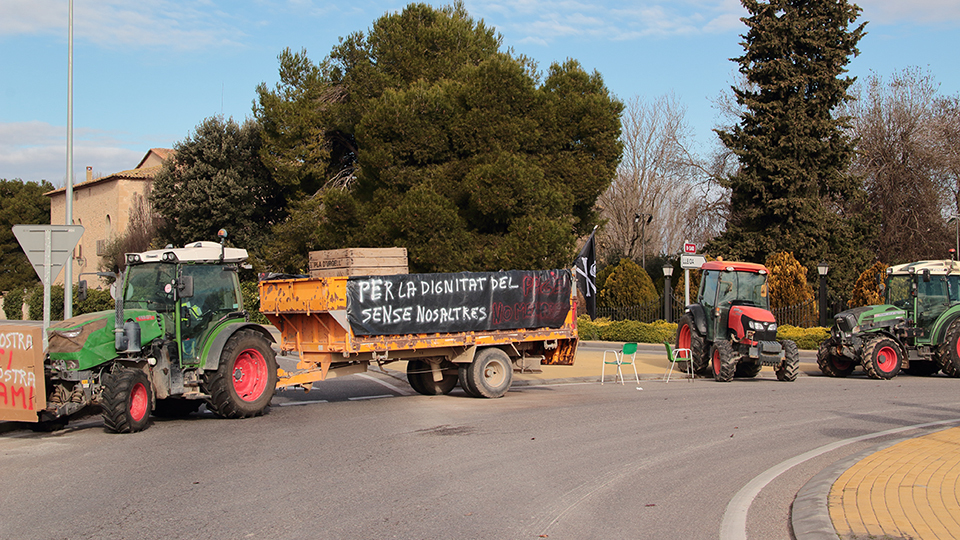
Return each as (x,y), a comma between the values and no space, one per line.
(246,378)
(948,354)
(125,401)
(724,361)
(881,358)
(689,338)
(832,364)
(790,367)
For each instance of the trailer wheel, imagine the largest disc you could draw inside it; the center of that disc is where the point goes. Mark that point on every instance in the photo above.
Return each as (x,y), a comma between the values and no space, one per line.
(490,373)
(948,354)
(724,361)
(689,338)
(244,382)
(420,377)
(790,367)
(125,401)
(881,358)
(833,365)
(176,407)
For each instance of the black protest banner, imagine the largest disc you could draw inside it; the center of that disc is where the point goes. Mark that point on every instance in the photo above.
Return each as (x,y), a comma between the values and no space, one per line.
(462,302)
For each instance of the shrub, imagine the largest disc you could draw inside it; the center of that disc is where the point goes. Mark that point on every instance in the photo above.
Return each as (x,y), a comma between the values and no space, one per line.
(251,301)
(806,338)
(606,330)
(788,281)
(627,285)
(13,304)
(866,291)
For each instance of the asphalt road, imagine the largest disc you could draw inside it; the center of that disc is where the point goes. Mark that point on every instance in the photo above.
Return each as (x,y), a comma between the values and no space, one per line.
(364,457)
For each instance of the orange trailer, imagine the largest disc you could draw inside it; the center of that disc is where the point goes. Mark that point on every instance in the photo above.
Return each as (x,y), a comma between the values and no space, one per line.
(472,329)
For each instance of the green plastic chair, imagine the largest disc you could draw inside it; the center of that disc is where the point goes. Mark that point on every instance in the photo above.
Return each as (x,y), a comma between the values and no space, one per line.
(678,355)
(620,358)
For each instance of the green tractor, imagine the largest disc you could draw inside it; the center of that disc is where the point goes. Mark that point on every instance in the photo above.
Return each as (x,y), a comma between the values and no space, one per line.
(178,338)
(731,331)
(916,330)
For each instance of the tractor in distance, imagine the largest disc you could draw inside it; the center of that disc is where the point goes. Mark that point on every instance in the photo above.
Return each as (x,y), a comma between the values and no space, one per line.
(178,338)
(916,329)
(730,330)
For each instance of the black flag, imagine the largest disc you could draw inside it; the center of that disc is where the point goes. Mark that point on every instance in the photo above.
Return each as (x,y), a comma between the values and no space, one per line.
(586,266)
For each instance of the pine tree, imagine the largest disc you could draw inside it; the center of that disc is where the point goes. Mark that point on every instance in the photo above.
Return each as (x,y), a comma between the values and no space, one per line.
(792,191)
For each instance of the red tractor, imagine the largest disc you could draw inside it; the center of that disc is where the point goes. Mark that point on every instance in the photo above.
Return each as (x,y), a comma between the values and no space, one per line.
(730,331)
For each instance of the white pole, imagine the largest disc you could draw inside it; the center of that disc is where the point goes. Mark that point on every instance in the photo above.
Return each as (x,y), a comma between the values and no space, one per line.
(68,268)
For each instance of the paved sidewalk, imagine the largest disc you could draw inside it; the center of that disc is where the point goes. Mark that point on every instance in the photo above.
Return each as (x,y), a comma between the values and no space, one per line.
(908,490)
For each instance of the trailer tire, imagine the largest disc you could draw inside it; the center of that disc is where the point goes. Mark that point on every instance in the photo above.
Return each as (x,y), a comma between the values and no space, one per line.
(420,377)
(948,354)
(689,338)
(882,358)
(176,407)
(833,365)
(463,375)
(125,401)
(724,361)
(245,379)
(789,368)
(490,373)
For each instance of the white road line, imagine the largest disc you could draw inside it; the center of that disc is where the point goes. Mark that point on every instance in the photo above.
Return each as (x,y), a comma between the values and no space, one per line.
(361,398)
(734,524)
(396,389)
(293,403)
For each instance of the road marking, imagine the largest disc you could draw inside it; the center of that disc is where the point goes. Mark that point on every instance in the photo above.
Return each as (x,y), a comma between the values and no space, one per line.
(396,389)
(734,524)
(361,398)
(310,402)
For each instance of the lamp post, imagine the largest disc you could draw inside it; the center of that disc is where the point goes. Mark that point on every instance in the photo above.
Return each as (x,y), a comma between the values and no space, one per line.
(667,292)
(822,269)
(956,222)
(642,220)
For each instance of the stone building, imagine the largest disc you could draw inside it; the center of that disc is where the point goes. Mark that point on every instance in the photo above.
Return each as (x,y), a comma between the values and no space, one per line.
(104,206)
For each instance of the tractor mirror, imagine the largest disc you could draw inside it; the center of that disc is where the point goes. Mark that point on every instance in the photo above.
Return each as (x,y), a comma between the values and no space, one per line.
(82,290)
(185,287)
(926,276)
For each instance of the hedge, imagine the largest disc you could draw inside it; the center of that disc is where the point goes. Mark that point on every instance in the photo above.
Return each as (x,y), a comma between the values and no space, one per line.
(604,329)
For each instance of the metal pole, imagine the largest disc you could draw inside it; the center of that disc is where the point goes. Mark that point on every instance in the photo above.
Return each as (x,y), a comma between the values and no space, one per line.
(667,296)
(823,300)
(68,219)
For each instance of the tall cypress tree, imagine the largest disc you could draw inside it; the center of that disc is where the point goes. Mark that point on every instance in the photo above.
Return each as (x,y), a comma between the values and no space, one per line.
(792,190)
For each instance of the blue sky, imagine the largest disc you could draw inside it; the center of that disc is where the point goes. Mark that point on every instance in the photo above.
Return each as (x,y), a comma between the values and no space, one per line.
(147,72)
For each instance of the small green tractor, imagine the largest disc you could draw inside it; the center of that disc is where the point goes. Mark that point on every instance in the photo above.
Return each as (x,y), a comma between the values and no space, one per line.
(178,338)
(916,330)
(730,331)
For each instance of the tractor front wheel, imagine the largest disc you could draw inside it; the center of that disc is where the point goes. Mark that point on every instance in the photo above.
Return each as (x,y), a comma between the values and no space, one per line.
(832,364)
(246,378)
(125,401)
(724,361)
(790,367)
(881,358)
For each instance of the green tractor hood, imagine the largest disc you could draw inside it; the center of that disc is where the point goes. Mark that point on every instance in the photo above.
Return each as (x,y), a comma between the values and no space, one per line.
(866,318)
(89,340)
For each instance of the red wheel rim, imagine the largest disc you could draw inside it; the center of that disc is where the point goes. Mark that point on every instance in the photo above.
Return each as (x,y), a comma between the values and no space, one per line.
(683,340)
(886,359)
(716,362)
(138,402)
(840,364)
(250,375)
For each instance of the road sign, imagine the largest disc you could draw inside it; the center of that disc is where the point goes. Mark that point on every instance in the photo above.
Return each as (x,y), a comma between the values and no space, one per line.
(692,262)
(48,245)
(689,247)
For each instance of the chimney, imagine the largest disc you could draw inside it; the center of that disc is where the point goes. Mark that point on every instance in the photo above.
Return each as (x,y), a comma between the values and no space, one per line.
(89,173)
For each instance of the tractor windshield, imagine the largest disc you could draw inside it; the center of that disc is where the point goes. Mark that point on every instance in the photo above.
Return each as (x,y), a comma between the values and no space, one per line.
(898,290)
(145,284)
(743,288)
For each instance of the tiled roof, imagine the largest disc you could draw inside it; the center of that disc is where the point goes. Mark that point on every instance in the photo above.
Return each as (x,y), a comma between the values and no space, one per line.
(139,173)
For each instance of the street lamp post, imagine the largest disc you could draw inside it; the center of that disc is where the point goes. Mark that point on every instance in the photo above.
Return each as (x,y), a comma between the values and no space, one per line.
(667,292)
(956,222)
(822,269)
(642,220)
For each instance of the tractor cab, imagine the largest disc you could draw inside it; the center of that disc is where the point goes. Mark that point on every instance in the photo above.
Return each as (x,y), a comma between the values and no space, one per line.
(737,288)
(924,290)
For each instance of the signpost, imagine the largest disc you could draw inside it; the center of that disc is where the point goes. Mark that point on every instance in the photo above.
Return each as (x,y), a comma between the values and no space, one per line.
(689,260)
(48,248)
